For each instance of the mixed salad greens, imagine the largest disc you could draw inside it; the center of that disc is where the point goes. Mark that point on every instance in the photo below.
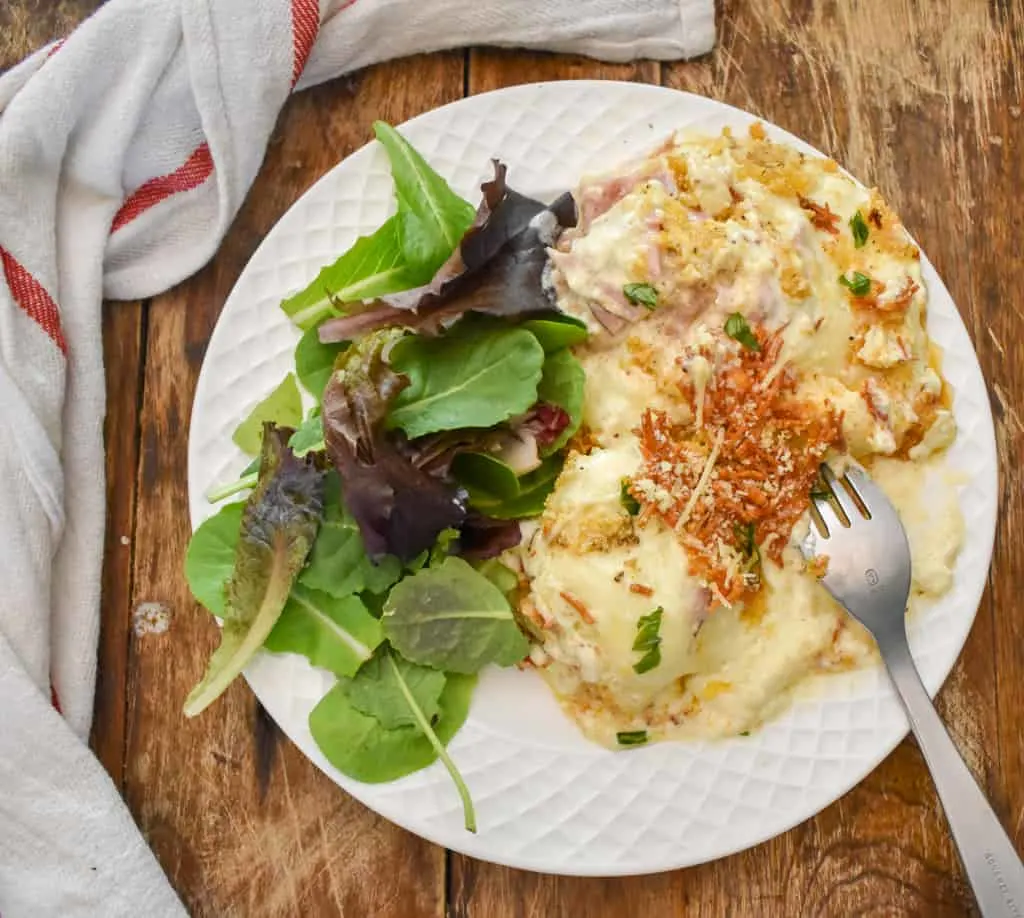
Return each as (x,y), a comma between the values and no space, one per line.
(443,393)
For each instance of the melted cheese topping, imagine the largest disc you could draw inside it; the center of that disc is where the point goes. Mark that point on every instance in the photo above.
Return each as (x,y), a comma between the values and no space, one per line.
(719,226)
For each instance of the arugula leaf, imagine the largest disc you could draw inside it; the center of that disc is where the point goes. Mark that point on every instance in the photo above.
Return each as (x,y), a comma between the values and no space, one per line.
(859,229)
(337,634)
(314,361)
(372,267)
(534,489)
(641,294)
(376,690)
(858,284)
(210,557)
(562,384)
(478,378)
(338,564)
(648,641)
(450,617)
(279,524)
(556,331)
(282,407)
(737,328)
(497,268)
(432,217)
(309,438)
(358,746)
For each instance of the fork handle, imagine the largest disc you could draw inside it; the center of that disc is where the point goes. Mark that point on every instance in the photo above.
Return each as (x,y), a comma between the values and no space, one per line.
(993,866)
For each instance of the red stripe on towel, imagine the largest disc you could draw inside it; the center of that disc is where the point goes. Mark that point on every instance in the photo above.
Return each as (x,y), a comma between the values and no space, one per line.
(32,297)
(57,45)
(54,700)
(305,26)
(190,174)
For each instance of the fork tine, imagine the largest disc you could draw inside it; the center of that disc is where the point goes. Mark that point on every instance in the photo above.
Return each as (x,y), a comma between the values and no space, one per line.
(831,519)
(842,497)
(859,486)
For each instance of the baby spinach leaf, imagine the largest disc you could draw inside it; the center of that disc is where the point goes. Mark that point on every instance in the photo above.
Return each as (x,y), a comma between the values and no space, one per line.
(432,217)
(534,489)
(336,634)
(359,746)
(562,384)
(484,473)
(376,690)
(210,557)
(475,379)
(246,482)
(282,407)
(556,331)
(501,575)
(339,564)
(309,438)
(372,267)
(450,617)
(279,524)
(314,361)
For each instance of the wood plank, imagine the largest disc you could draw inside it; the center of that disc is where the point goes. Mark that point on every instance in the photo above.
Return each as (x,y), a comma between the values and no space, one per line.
(495,68)
(918,131)
(305,847)
(122,353)
(881,104)
(26,25)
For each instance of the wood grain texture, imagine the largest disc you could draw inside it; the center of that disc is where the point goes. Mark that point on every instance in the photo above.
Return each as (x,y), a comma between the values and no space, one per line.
(304,847)
(922,99)
(26,25)
(931,116)
(123,331)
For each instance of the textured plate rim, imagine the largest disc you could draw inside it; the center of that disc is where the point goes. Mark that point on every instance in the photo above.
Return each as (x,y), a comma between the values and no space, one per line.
(469,844)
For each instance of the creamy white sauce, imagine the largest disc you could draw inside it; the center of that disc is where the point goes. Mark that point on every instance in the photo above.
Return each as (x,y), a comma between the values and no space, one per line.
(726,242)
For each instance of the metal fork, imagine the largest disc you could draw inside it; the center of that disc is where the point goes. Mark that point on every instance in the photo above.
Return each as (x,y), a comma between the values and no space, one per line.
(859,534)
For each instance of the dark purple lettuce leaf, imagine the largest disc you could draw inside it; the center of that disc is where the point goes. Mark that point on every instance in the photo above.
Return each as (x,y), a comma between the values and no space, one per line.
(483,537)
(400,508)
(497,268)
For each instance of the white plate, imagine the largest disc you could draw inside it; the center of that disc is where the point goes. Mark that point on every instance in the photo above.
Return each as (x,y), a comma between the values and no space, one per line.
(546,799)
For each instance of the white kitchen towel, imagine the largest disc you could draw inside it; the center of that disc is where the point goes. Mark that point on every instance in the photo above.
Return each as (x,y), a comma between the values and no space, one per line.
(125,152)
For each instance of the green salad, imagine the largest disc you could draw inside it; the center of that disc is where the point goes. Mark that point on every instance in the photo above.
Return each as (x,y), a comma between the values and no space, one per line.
(441,393)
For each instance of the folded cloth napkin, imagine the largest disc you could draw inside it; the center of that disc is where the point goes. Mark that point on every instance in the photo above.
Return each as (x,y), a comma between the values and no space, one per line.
(125,152)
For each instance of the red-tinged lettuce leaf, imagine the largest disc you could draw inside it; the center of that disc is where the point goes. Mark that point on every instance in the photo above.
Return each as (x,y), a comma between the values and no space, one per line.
(279,523)
(497,268)
(399,507)
(483,537)
(546,423)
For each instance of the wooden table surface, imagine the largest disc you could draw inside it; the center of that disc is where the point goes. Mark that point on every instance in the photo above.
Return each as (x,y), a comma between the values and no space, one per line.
(923,100)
